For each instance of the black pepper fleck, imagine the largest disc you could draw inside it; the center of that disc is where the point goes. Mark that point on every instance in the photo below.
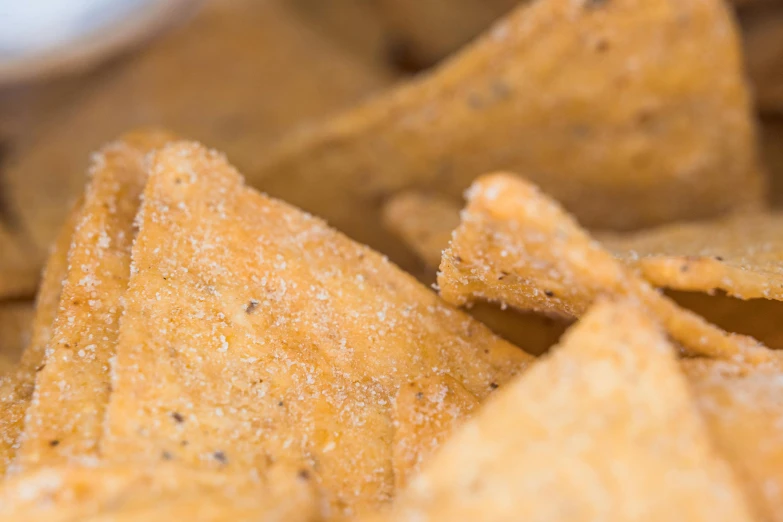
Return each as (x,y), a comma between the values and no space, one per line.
(54,443)
(419,395)
(220,457)
(177,416)
(549,293)
(304,474)
(493,385)
(251,306)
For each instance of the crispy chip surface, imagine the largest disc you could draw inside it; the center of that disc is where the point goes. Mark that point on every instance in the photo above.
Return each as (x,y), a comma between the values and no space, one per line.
(236,76)
(426,411)
(16,388)
(254,333)
(679,119)
(164,492)
(604,428)
(743,406)
(65,418)
(742,255)
(518,247)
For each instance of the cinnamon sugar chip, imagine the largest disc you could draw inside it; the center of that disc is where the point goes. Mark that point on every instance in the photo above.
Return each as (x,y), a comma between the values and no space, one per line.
(426,411)
(741,255)
(65,417)
(518,247)
(16,387)
(164,492)
(253,333)
(604,428)
(743,407)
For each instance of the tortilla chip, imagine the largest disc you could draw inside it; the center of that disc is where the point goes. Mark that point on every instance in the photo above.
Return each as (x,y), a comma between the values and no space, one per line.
(518,247)
(16,321)
(65,419)
(425,223)
(254,333)
(236,76)
(165,492)
(763,41)
(743,405)
(16,388)
(604,428)
(425,413)
(741,255)
(679,119)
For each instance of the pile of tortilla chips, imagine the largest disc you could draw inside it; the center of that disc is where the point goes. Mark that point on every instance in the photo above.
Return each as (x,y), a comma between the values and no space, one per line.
(211,347)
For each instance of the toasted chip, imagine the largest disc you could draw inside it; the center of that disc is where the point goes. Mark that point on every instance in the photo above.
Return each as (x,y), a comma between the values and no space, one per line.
(763,41)
(518,247)
(425,224)
(65,418)
(16,388)
(16,321)
(741,255)
(164,492)
(253,333)
(602,429)
(425,413)
(554,76)
(236,76)
(743,406)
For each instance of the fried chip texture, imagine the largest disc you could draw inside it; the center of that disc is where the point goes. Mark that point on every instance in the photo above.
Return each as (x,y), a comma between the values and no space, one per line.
(253,333)
(236,76)
(743,406)
(425,413)
(518,247)
(678,118)
(604,428)
(16,387)
(742,255)
(164,492)
(65,419)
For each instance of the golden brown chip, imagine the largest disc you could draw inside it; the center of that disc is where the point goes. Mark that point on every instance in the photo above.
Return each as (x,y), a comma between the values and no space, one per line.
(426,411)
(741,255)
(425,224)
(16,321)
(16,388)
(164,492)
(602,429)
(649,87)
(65,418)
(518,247)
(253,333)
(236,76)
(743,406)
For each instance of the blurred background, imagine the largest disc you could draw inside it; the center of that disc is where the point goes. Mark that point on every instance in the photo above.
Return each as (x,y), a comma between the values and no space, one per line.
(237,75)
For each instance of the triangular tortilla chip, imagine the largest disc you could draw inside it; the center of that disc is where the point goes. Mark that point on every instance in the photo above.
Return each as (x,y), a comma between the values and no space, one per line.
(253,333)
(743,406)
(65,418)
(16,321)
(425,413)
(236,75)
(518,247)
(573,94)
(742,255)
(16,388)
(604,428)
(164,492)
